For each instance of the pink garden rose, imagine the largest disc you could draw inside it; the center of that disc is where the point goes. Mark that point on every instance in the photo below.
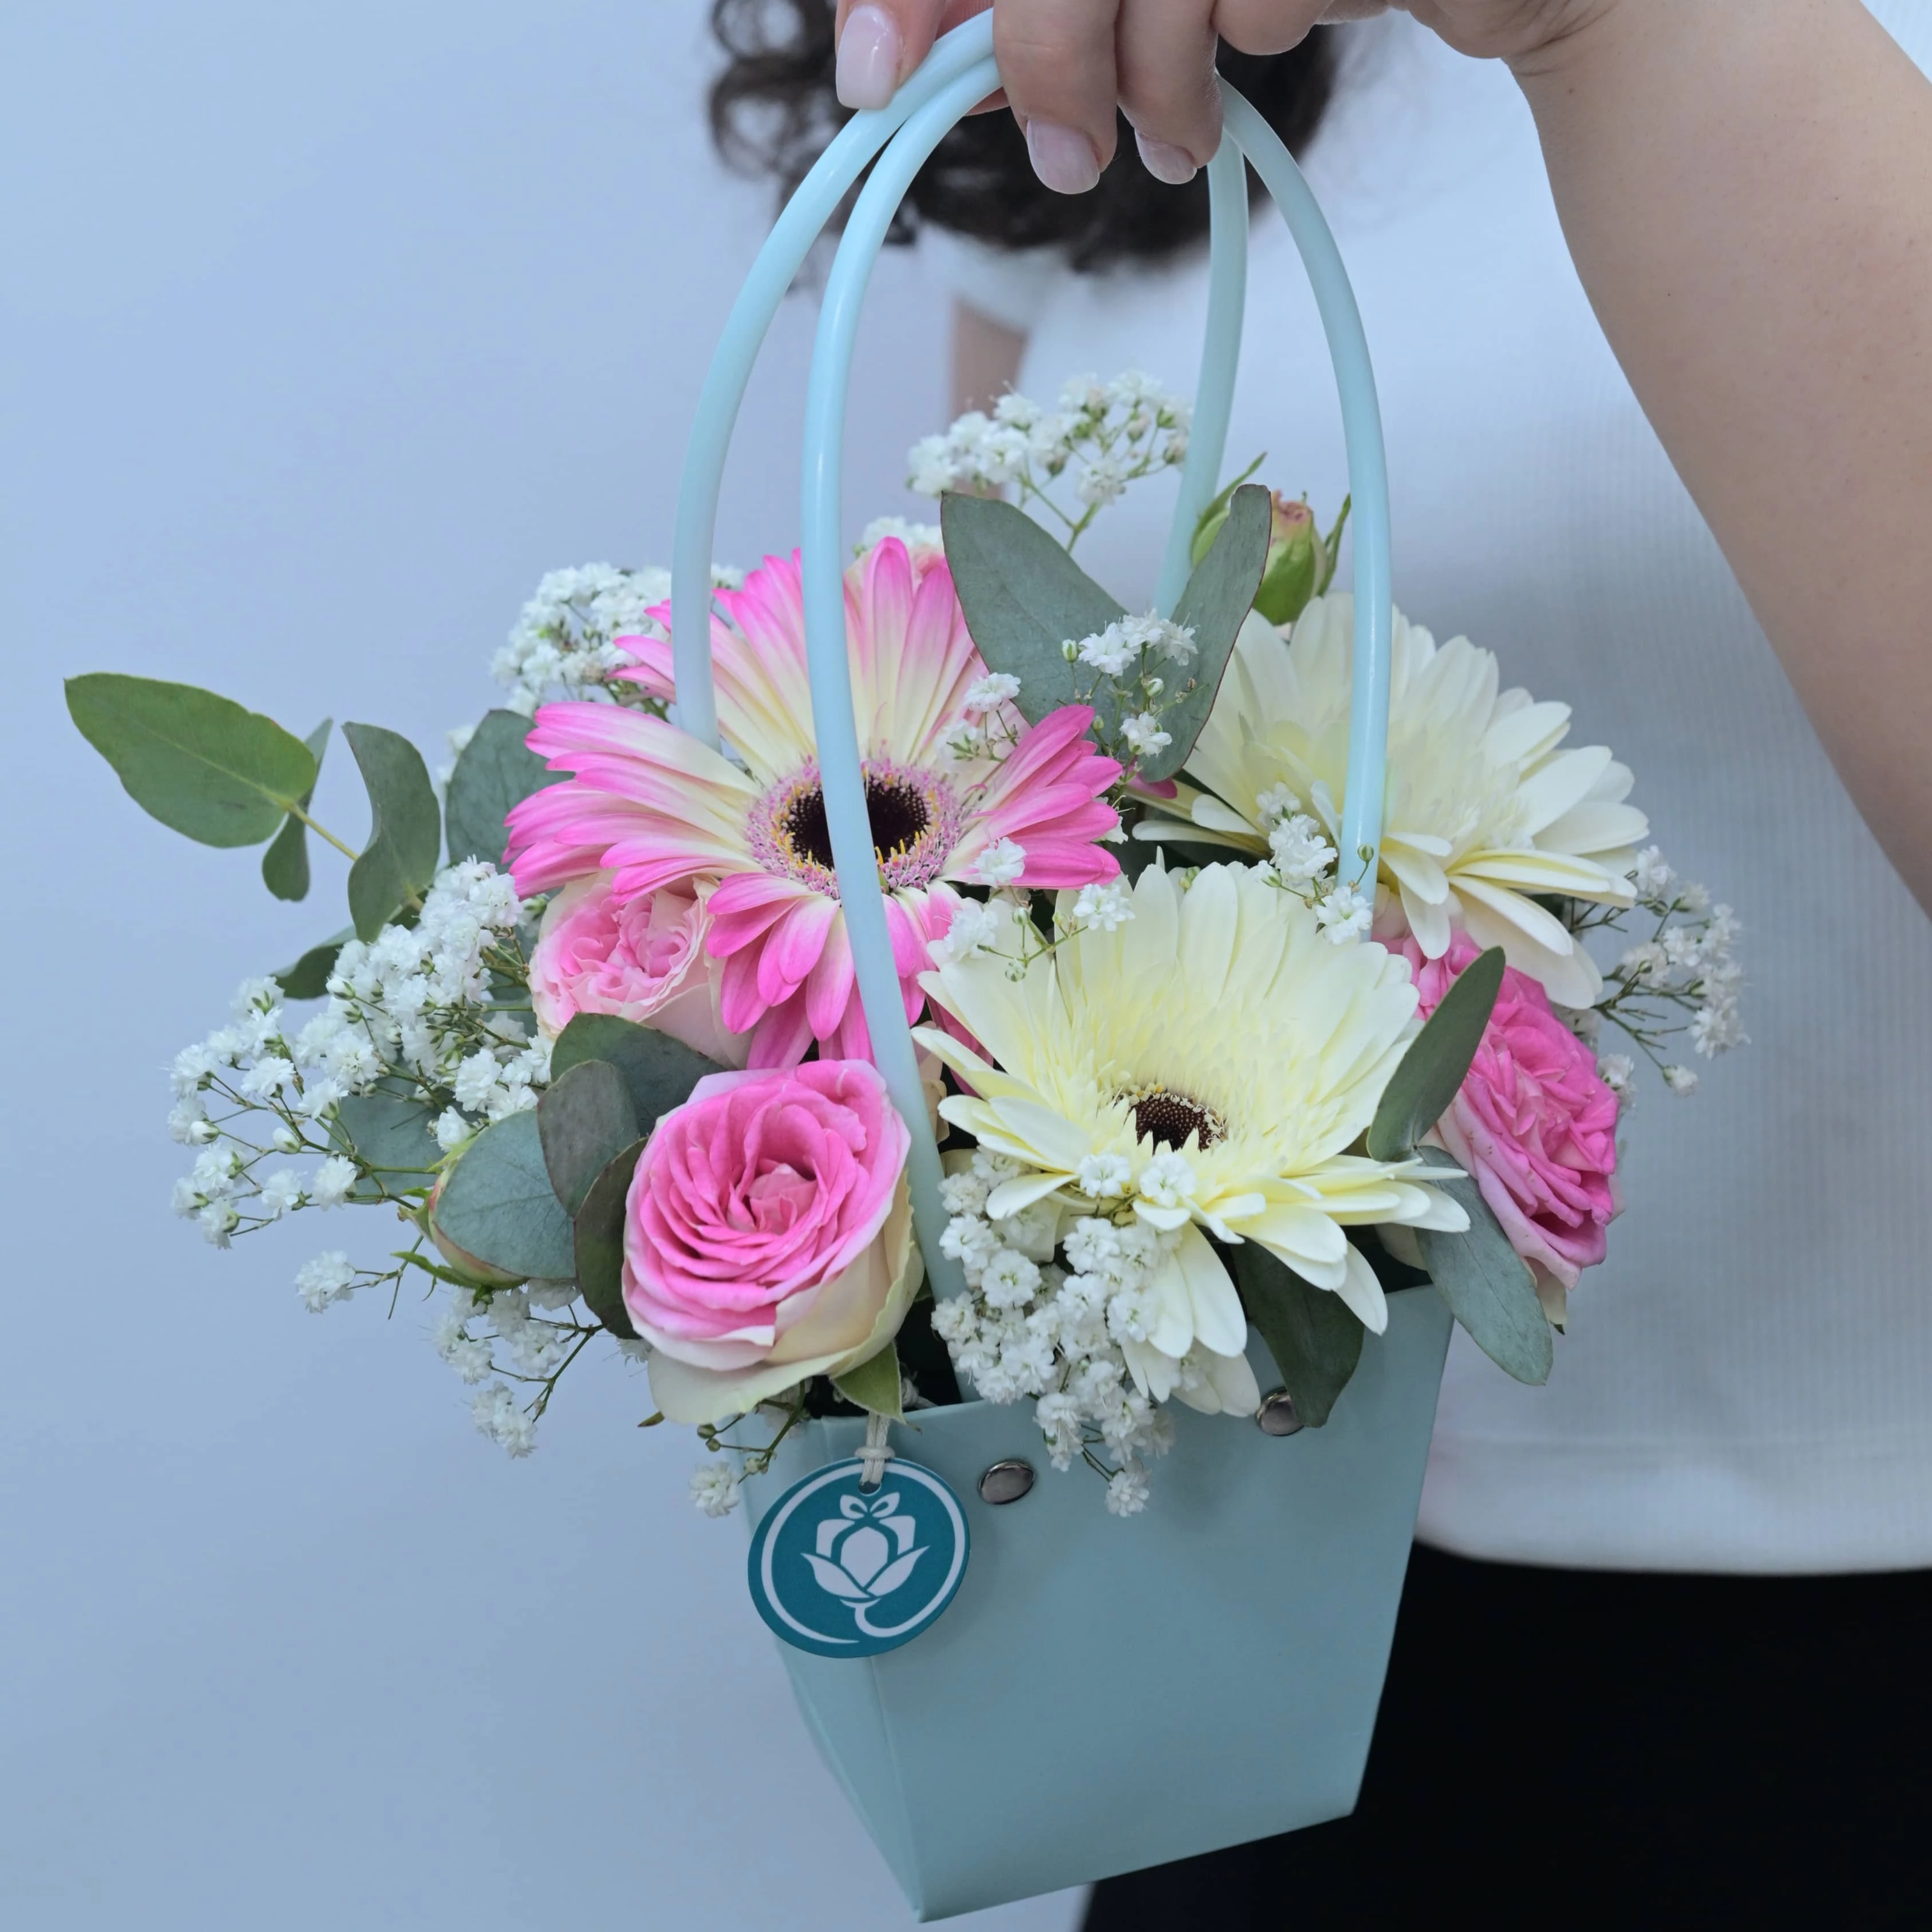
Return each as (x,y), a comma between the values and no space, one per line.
(1533,1123)
(768,1235)
(642,958)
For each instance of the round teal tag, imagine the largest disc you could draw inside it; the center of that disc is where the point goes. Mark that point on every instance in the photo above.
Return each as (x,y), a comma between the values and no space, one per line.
(842,1571)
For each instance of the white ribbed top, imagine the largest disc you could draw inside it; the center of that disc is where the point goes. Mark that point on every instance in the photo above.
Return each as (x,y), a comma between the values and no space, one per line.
(1747,1383)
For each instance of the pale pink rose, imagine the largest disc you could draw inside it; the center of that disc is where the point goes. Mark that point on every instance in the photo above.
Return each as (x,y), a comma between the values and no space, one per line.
(768,1235)
(642,958)
(1532,1123)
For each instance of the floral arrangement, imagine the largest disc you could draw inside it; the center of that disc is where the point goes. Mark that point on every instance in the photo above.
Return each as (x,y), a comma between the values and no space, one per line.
(591,1037)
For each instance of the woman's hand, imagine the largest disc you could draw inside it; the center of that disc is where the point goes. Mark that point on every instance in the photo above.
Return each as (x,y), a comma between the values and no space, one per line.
(1067,63)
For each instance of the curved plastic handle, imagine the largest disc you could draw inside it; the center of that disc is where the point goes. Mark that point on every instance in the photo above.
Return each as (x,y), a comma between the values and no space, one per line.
(959,74)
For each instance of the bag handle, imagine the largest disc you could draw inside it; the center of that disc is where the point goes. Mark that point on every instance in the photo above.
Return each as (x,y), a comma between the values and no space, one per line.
(959,72)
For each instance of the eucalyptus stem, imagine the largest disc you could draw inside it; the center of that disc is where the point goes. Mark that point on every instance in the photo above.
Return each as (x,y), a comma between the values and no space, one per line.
(323,832)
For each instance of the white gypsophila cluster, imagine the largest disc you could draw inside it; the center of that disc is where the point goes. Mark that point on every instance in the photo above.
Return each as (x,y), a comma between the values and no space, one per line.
(562,646)
(714,1486)
(1002,924)
(1070,462)
(1052,1293)
(1301,861)
(409,1012)
(529,1334)
(921,539)
(1683,982)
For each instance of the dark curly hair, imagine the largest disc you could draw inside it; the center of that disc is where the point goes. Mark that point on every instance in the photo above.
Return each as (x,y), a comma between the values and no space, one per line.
(773,110)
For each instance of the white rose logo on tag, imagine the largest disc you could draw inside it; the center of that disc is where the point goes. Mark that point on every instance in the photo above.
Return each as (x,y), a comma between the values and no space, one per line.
(842,1571)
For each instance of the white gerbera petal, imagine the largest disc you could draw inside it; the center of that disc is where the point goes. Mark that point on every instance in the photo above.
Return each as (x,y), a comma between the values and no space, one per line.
(1595,827)
(1363,1293)
(1416,873)
(1211,815)
(1486,808)
(1565,780)
(1220,1323)
(1429,921)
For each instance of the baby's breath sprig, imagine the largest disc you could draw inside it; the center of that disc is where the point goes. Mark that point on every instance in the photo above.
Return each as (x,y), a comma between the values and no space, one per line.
(1070,463)
(562,646)
(1683,979)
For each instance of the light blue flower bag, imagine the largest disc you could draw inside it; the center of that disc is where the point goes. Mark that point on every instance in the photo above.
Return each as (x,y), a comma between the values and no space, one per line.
(1101,1694)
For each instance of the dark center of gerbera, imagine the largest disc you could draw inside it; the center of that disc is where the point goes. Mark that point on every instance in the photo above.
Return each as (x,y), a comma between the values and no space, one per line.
(897,808)
(915,820)
(1168,1117)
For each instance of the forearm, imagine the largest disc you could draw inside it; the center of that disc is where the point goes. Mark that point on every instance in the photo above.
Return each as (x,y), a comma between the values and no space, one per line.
(1746,186)
(985,359)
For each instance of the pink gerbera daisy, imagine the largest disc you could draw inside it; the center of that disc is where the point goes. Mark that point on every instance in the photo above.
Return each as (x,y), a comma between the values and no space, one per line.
(656,809)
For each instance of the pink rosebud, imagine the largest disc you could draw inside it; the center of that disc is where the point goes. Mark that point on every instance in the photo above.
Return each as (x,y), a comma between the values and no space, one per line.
(1532,1123)
(768,1235)
(642,958)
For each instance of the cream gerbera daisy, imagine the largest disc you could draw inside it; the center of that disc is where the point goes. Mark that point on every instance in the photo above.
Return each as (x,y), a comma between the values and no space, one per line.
(1484,810)
(1205,1065)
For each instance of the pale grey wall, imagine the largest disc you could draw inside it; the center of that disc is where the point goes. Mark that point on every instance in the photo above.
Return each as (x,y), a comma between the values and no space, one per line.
(326,330)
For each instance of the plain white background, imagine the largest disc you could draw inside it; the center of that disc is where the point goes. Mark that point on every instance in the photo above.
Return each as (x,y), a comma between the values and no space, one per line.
(327,329)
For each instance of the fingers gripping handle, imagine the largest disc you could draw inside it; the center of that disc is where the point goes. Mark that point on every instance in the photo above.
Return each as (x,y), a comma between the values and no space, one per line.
(959,74)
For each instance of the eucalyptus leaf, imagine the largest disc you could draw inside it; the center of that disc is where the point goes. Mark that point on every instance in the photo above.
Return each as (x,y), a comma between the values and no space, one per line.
(494,771)
(660,1071)
(200,763)
(497,1204)
(598,1236)
(873,1385)
(1429,1074)
(285,864)
(405,830)
(1218,596)
(584,1121)
(1315,1341)
(1207,525)
(393,1132)
(1023,597)
(308,978)
(1489,1288)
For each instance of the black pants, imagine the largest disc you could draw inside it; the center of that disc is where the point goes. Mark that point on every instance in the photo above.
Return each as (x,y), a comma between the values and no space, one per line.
(1664,1749)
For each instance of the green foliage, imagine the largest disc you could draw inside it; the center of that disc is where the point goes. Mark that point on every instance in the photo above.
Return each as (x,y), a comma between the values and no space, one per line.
(1331,547)
(406,828)
(285,864)
(393,1132)
(494,771)
(1489,1288)
(873,1385)
(1023,596)
(598,1236)
(1219,597)
(200,763)
(1437,1063)
(308,978)
(1314,1338)
(660,1071)
(584,1121)
(1207,525)
(497,1204)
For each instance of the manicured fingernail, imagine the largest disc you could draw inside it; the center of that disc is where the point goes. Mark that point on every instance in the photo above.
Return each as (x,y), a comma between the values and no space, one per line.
(1063,158)
(868,57)
(1165,161)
